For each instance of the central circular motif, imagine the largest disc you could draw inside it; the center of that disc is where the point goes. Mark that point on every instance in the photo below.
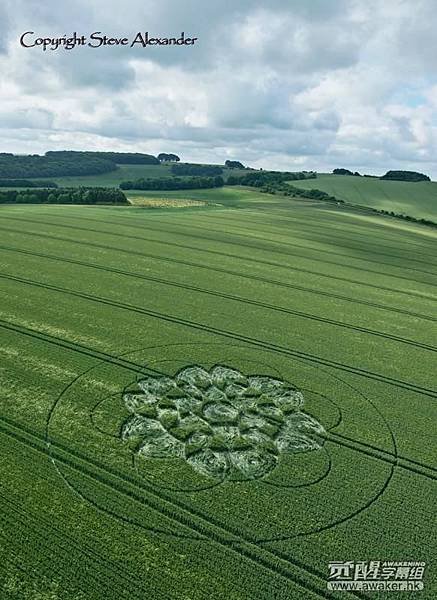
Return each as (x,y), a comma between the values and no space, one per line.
(224,424)
(299,496)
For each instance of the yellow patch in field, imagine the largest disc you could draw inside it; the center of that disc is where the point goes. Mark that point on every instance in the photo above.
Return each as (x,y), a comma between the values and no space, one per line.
(164,202)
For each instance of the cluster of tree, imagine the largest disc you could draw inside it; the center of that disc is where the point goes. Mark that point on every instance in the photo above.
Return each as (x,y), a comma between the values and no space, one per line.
(173,183)
(346,172)
(196,170)
(120,158)
(34,165)
(234,164)
(262,178)
(63,196)
(405,176)
(285,189)
(168,157)
(26,183)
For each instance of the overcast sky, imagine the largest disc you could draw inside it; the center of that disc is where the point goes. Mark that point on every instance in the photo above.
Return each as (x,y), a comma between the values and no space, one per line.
(287,84)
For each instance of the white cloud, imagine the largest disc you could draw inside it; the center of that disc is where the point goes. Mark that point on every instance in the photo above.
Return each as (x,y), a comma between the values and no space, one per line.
(298,84)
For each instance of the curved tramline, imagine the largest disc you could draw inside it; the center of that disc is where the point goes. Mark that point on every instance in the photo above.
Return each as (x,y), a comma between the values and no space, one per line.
(360,446)
(252,341)
(230,540)
(304,228)
(66,545)
(227,271)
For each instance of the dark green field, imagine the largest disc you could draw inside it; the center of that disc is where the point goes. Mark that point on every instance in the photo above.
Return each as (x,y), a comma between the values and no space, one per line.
(339,304)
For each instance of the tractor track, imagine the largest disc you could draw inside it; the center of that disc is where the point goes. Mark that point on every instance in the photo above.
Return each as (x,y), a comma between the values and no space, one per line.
(309,357)
(180,514)
(253,246)
(233,273)
(189,263)
(232,297)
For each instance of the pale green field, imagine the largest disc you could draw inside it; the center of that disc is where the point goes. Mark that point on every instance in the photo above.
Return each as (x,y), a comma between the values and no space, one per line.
(418,200)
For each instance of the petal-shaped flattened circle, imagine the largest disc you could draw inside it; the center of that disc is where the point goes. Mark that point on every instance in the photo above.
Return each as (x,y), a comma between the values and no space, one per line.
(265,384)
(216,412)
(210,463)
(163,446)
(253,464)
(136,402)
(196,376)
(141,426)
(222,376)
(157,386)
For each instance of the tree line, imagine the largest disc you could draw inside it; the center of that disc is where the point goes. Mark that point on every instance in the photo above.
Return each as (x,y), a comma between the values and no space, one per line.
(173,183)
(26,183)
(285,189)
(65,163)
(262,178)
(413,176)
(163,157)
(120,158)
(405,176)
(193,170)
(234,164)
(80,195)
(34,165)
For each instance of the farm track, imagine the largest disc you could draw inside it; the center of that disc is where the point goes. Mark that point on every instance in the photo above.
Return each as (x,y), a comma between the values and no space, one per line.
(232,297)
(83,350)
(229,271)
(66,544)
(176,511)
(240,245)
(390,457)
(312,358)
(233,273)
(254,237)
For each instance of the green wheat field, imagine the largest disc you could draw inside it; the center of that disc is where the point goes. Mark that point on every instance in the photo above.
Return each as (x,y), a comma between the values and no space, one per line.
(102,306)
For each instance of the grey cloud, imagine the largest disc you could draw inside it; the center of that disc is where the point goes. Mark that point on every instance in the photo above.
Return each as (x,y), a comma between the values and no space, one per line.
(290,81)
(31,118)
